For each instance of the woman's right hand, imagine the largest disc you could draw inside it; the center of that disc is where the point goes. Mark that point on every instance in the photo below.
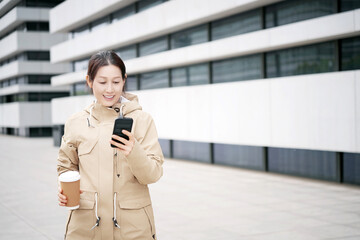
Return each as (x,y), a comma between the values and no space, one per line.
(61,198)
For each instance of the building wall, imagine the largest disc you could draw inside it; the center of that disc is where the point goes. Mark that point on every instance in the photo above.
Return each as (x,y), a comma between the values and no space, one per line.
(268,117)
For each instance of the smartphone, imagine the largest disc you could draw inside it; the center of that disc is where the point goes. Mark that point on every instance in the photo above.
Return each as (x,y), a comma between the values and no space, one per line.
(122,124)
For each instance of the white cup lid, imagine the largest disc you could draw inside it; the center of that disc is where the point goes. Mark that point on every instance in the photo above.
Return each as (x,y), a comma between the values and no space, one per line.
(69,176)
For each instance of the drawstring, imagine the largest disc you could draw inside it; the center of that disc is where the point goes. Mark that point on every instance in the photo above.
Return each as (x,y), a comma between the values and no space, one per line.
(114,218)
(121,111)
(88,118)
(96,214)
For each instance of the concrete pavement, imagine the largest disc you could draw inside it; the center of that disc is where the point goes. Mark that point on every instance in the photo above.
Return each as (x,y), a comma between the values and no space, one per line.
(192,201)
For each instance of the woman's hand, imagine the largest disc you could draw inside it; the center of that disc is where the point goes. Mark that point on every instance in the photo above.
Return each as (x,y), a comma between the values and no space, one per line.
(127,145)
(62,198)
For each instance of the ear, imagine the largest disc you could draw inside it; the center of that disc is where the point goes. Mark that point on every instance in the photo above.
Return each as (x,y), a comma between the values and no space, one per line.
(89,83)
(125,76)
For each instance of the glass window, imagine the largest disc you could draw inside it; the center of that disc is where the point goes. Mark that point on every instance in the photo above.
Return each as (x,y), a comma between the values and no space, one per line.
(235,25)
(351,168)
(131,83)
(196,151)
(153,46)
(192,75)
(237,69)
(189,37)
(13,81)
(37,26)
(301,60)
(126,53)
(81,88)
(143,5)
(39,79)
(286,12)
(350,53)
(346,5)
(159,79)
(242,156)
(81,30)
(41,3)
(165,147)
(123,13)
(308,163)
(100,23)
(179,77)
(80,65)
(38,55)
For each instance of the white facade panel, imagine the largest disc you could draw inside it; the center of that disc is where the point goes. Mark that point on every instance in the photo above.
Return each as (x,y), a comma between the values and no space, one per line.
(79,15)
(166,18)
(25,114)
(316,111)
(357,108)
(22,14)
(10,114)
(18,42)
(18,68)
(23,88)
(68,78)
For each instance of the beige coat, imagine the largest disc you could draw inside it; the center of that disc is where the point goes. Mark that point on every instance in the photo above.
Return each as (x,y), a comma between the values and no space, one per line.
(114,186)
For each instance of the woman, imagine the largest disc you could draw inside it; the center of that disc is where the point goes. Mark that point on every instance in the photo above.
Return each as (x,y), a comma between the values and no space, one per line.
(114,200)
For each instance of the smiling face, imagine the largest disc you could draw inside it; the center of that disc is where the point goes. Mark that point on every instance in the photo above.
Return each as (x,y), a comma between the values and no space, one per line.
(107,85)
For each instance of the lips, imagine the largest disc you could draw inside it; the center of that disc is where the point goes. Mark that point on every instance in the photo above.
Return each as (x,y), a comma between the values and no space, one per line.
(109,97)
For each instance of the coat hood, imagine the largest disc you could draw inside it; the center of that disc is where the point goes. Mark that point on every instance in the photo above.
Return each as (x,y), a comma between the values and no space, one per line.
(129,103)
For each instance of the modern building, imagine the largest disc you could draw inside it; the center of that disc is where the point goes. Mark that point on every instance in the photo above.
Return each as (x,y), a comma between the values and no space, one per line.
(268,85)
(25,68)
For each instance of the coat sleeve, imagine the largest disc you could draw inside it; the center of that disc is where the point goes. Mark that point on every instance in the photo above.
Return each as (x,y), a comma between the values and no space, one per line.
(68,157)
(146,157)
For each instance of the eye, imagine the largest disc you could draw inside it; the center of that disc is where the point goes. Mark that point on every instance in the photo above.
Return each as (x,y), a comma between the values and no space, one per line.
(102,82)
(116,82)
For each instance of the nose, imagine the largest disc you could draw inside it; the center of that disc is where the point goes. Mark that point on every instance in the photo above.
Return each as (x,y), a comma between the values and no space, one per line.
(109,88)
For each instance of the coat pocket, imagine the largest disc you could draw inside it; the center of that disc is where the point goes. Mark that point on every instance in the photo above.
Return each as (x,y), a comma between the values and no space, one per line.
(135,222)
(82,219)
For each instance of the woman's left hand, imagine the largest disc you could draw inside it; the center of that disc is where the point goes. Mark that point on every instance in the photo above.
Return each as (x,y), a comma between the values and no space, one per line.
(127,145)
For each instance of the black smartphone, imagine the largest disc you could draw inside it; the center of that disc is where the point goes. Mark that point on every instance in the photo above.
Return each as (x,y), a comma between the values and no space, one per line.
(121,124)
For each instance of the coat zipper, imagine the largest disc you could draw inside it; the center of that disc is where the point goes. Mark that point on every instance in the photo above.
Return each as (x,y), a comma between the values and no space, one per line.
(116,164)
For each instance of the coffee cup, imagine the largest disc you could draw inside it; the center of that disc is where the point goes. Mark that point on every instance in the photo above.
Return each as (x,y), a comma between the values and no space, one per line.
(70,183)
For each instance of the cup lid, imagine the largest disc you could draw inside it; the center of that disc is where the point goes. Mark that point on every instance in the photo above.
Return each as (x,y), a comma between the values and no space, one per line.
(69,176)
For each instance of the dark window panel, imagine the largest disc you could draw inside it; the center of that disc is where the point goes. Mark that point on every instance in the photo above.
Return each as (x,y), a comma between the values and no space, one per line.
(346,5)
(40,3)
(189,37)
(159,79)
(153,46)
(143,5)
(39,79)
(306,163)
(350,53)
(126,53)
(351,169)
(286,12)
(37,26)
(235,25)
(131,83)
(237,69)
(40,132)
(81,30)
(242,156)
(123,13)
(179,77)
(301,60)
(165,147)
(80,65)
(38,55)
(196,151)
(100,23)
(57,133)
(81,88)
(192,75)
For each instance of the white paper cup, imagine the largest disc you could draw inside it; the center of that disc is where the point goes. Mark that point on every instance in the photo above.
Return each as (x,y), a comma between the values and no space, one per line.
(70,183)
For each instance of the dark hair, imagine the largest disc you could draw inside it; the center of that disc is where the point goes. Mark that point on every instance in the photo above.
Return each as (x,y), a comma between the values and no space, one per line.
(105,58)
